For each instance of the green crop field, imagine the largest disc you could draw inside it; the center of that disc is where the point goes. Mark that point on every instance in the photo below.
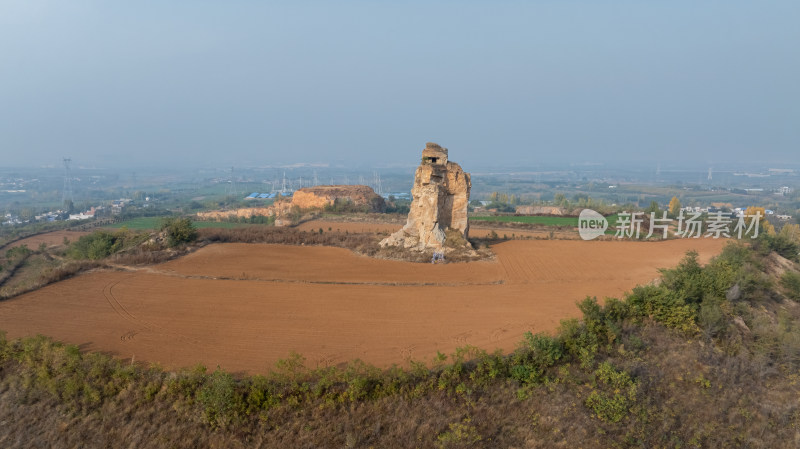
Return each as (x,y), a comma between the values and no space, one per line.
(141,223)
(543,220)
(149,223)
(549,221)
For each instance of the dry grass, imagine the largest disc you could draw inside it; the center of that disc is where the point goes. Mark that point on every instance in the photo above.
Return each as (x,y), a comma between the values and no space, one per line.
(361,243)
(733,401)
(40,274)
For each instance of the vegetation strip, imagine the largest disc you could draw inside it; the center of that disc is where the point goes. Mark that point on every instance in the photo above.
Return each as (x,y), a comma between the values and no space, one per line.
(607,361)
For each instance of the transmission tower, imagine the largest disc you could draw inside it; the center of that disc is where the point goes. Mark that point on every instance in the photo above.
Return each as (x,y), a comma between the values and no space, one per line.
(376,181)
(66,194)
(709,173)
(232,189)
(283,189)
(316,181)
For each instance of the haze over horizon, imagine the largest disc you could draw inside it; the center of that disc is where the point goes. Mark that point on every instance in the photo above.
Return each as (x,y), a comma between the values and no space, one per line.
(202,84)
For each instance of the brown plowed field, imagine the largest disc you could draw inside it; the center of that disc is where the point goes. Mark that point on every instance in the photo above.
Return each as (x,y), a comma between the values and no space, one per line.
(49,238)
(242,306)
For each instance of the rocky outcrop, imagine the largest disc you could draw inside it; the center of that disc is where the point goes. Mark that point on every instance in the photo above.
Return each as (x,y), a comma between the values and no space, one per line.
(239,213)
(541,210)
(321,196)
(439,204)
(307,198)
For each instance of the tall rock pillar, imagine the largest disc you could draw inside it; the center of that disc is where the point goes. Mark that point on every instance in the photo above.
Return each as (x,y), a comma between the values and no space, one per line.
(439,203)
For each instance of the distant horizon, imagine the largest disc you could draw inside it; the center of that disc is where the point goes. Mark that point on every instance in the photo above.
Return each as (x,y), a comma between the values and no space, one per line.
(361,83)
(663,166)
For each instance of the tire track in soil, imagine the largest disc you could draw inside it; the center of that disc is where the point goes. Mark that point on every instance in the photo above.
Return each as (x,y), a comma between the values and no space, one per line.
(122,311)
(175,274)
(128,336)
(407,352)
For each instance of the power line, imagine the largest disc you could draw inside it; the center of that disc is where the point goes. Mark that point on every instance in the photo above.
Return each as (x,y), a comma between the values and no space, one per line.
(232,189)
(66,193)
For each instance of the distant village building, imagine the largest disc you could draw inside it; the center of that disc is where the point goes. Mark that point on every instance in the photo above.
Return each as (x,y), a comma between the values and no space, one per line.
(694,209)
(118,206)
(84,215)
(80,216)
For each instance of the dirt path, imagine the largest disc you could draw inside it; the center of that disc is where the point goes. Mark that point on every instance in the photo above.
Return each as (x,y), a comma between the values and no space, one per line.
(245,306)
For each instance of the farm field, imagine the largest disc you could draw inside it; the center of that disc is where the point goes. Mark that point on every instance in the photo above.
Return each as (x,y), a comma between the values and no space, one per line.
(49,238)
(528,219)
(536,219)
(151,223)
(244,306)
(358,227)
(476,229)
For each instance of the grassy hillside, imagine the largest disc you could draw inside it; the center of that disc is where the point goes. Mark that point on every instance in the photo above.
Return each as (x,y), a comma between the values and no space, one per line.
(707,357)
(154,223)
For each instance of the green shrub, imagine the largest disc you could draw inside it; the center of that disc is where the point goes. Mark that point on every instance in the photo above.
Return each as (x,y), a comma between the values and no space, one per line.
(101,244)
(790,281)
(459,434)
(488,368)
(528,365)
(712,319)
(686,279)
(594,318)
(578,342)
(219,399)
(186,383)
(260,395)
(290,372)
(179,230)
(18,252)
(5,349)
(735,254)
(782,245)
(754,283)
(664,306)
(151,389)
(451,376)
(362,381)
(613,405)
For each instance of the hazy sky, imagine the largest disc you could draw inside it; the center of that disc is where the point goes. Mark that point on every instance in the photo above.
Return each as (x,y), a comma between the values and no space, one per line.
(256,83)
